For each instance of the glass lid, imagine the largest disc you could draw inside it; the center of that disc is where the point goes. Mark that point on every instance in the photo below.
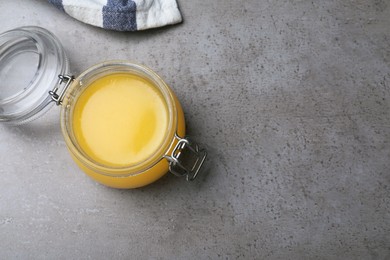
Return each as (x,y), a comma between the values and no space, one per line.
(31,58)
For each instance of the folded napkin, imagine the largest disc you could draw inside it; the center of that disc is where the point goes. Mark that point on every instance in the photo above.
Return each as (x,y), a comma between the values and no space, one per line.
(122,15)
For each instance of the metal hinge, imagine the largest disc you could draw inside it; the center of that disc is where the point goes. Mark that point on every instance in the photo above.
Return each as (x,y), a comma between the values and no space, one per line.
(58,97)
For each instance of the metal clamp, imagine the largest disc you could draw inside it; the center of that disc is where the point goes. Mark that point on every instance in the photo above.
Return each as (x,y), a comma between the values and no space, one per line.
(186,159)
(67,80)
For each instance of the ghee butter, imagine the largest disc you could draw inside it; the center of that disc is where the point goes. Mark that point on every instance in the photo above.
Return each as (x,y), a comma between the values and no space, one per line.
(120,120)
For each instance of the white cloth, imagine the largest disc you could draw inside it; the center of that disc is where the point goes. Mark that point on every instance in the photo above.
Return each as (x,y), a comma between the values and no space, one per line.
(122,15)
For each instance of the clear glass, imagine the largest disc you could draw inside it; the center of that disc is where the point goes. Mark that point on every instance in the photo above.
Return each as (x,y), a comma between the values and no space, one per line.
(31,58)
(93,168)
(31,61)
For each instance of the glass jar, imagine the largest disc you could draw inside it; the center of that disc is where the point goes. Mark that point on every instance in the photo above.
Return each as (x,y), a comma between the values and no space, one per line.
(34,75)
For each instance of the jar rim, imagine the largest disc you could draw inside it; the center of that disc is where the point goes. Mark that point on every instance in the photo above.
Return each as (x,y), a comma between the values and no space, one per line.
(109,68)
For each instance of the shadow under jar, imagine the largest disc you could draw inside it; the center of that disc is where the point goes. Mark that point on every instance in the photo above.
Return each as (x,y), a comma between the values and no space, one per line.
(122,124)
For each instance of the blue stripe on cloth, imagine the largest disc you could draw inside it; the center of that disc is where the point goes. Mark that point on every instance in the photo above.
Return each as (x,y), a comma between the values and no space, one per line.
(120,15)
(58,4)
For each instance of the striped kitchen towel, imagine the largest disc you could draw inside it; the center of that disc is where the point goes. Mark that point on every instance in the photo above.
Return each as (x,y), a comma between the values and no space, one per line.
(122,15)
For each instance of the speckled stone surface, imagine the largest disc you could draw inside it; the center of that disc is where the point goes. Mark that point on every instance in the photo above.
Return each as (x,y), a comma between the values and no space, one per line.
(292,99)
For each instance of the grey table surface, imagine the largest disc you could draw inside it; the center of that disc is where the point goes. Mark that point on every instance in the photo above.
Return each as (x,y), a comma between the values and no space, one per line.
(292,100)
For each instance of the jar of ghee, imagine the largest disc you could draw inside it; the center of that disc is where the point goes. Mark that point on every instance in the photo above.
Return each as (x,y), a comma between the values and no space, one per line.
(123,125)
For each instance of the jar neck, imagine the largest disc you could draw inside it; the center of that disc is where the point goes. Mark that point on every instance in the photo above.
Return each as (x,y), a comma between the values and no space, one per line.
(82,82)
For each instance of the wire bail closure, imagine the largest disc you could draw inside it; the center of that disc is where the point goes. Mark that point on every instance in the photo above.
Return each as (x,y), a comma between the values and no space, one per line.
(186,158)
(57,98)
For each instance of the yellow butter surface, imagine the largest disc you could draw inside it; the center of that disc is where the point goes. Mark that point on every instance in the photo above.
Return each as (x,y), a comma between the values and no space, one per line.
(120,120)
